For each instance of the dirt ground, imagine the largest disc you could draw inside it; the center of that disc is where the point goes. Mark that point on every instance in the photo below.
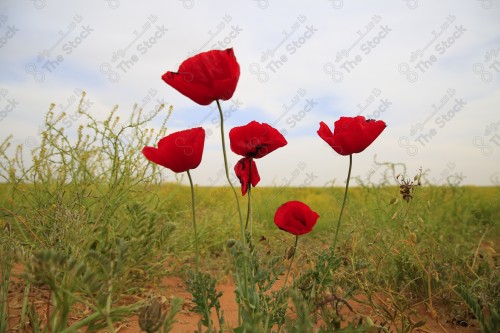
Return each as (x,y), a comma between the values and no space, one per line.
(187,321)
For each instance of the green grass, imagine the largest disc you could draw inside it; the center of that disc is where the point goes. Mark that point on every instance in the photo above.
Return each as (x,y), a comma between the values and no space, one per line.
(94,227)
(436,211)
(456,243)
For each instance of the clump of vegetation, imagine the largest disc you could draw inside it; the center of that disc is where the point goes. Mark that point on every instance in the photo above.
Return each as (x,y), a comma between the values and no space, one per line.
(89,226)
(77,220)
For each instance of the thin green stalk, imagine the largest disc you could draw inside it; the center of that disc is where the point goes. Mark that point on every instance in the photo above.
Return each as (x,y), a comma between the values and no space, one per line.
(6,271)
(196,249)
(249,207)
(291,260)
(82,323)
(24,308)
(107,311)
(242,229)
(343,203)
(94,316)
(243,239)
(249,210)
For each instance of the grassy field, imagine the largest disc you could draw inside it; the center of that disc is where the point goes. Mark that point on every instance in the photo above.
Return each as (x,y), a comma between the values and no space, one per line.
(89,230)
(448,239)
(448,220)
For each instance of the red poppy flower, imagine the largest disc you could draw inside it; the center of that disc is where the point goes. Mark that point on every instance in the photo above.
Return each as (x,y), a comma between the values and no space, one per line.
(255,140)
(179,151)
(295,217)
(351,135)
(245,175)
(206,77)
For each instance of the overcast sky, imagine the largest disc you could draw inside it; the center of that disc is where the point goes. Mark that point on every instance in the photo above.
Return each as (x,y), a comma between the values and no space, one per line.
(429,69)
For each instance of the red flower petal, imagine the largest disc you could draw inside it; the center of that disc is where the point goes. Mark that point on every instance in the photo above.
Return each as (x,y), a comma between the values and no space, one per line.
(255,140)
(246,174)
(206,77)
(351,134)
(295,217)
(179,151)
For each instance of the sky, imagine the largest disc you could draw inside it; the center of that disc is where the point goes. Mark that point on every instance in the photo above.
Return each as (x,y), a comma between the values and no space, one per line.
(429,69)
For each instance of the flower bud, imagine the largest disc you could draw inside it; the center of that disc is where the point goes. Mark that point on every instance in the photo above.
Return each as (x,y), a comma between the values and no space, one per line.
(290,252)
(151,318)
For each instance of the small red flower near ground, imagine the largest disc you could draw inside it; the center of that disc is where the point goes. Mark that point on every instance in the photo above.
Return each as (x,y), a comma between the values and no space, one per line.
(180,151)
(351,134)
(255,140)
(295,217)
(206,77)
(245,175)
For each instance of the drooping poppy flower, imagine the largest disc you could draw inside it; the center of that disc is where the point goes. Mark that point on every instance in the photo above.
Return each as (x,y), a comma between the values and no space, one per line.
(295,217)
(246,171)
(180,151)
(255,140)
(206,77)
(351,134)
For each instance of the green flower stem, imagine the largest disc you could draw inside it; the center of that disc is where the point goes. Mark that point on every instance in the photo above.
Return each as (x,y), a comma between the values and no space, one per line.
(249,211)
(243,238)
(291,260)
(343,203)
(196,249)
(242,229)
(249,192)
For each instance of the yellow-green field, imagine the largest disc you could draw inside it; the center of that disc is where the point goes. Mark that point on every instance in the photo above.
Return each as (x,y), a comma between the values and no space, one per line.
(88,231)
(417,253)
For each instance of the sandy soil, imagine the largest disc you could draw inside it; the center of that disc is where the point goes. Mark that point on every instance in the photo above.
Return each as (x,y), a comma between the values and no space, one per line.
(187,321)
